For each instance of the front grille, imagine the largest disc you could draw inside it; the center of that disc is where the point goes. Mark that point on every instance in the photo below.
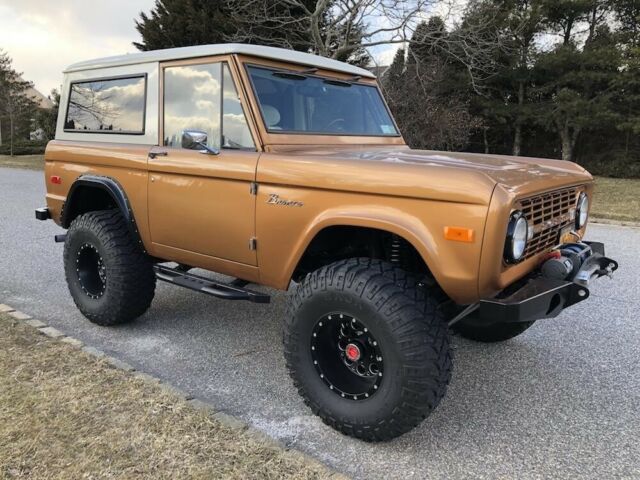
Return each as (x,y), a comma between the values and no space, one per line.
(548,214)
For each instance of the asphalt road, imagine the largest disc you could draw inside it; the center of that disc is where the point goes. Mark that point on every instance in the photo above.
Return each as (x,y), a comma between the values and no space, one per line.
(560,401)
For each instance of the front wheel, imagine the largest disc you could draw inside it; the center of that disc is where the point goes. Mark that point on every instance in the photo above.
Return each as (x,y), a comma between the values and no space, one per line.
(110,278)
(367,348)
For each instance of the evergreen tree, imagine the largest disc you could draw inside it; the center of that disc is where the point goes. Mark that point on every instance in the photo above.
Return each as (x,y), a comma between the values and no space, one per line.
(181,23)
(575,86)
(16,108)
(627,13)
(628,82)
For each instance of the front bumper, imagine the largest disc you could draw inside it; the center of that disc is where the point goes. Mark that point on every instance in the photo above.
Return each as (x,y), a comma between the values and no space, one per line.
(538,297)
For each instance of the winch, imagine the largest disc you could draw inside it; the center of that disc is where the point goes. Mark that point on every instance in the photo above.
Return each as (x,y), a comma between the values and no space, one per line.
(578,262)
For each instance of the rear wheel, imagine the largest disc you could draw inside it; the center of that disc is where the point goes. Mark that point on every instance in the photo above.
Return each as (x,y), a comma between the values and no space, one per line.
(110,278)
(497,332)
(367,348)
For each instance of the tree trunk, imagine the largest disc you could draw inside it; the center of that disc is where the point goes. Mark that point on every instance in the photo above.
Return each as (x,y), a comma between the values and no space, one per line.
(626,145)
(10,135)
(569,139)
(517,140)
(486,139)
(593,22)
(517,137)
(567,150)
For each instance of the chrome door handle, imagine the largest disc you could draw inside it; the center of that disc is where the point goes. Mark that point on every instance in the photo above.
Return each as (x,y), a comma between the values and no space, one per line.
(161,153)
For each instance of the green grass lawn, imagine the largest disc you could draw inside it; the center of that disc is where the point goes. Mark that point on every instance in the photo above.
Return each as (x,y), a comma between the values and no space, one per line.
(617,199)
(31,162)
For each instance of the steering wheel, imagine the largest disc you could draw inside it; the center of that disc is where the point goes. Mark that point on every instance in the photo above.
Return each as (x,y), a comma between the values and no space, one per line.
(334,123)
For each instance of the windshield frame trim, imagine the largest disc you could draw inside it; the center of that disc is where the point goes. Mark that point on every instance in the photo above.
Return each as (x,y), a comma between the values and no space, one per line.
(248,65)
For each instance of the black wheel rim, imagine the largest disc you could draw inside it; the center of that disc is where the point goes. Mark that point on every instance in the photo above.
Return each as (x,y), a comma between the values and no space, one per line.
(92,273)
(346,356)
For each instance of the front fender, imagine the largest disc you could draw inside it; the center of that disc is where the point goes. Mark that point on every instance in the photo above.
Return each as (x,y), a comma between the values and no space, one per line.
(284,232)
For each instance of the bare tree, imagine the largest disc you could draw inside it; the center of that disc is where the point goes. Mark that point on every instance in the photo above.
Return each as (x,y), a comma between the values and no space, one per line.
(426,95)
(338,28)
(91,102)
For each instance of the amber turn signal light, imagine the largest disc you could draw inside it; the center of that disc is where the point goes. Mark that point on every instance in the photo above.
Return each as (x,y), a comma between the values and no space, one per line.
(459,234)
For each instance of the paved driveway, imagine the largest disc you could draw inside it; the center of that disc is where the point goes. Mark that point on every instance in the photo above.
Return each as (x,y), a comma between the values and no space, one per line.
(562,400)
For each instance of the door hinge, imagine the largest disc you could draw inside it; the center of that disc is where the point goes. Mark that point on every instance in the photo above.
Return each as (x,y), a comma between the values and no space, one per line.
(253,188)
(253,243)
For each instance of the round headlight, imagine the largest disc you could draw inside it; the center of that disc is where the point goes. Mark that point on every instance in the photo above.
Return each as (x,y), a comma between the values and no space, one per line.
(582,211)
(517,235)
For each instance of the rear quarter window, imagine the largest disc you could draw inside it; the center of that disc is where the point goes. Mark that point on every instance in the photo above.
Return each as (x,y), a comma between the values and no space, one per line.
(110,105)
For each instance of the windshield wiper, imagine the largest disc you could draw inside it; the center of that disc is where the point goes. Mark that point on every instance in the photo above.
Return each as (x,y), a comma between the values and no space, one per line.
(289,75)
(338,83)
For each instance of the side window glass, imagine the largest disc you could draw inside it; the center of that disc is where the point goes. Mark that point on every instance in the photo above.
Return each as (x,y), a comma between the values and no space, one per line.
(235,130)
(192,99)
(107,106)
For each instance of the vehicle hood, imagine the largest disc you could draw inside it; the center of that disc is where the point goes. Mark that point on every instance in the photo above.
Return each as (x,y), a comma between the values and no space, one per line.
(430,174)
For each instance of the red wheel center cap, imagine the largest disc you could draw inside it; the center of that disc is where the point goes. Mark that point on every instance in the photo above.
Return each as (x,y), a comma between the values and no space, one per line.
(352,352)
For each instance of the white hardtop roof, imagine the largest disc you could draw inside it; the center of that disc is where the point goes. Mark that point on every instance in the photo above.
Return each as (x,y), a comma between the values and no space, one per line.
(272,53)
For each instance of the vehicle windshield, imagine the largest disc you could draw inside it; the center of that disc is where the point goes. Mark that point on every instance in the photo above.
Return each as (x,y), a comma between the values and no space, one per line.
(291,102)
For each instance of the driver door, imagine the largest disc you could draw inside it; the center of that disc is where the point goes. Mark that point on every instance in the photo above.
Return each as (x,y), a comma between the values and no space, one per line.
(201,205)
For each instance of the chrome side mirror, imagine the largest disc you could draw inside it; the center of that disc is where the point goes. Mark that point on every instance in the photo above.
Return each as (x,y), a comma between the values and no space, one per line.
(197,140)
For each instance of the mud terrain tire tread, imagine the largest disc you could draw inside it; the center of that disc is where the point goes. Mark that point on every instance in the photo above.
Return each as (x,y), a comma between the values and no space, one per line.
(415,322)
(130,278)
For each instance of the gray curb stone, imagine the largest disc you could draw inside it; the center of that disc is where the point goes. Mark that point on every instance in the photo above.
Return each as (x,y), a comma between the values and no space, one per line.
(52,332)
(264,439)
(18,315)
(72,341)
(114,362)
(229,421)
(35,323)
(94,352)
(145,377)
(5,308)
(171,390)
(200,405)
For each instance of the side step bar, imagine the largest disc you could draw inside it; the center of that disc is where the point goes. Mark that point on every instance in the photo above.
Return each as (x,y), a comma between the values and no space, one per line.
(225,291)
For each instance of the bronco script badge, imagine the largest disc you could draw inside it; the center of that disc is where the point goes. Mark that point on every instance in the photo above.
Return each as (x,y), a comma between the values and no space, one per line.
(275,199)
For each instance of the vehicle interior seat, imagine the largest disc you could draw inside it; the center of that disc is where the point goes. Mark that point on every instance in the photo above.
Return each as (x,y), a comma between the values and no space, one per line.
(271,117)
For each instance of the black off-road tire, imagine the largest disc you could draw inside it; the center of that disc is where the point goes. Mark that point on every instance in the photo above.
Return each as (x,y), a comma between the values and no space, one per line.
(406,321)
(498,332)
(128,286)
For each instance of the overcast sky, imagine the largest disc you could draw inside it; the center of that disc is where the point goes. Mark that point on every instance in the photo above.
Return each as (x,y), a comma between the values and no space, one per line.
(45,36)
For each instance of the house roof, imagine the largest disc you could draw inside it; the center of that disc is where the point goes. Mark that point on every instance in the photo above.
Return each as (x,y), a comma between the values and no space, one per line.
(271,53)
(41,100)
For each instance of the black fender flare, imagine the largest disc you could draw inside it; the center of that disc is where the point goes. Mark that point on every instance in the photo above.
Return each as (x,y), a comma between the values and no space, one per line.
(113,189)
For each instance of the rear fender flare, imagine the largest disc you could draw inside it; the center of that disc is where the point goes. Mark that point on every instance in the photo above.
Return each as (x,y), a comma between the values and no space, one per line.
(105,184)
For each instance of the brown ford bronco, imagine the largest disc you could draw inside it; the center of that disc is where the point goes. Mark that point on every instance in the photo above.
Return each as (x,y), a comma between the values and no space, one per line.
(276,167)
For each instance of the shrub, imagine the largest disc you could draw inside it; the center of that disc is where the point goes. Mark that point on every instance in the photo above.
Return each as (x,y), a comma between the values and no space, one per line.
(24,147)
